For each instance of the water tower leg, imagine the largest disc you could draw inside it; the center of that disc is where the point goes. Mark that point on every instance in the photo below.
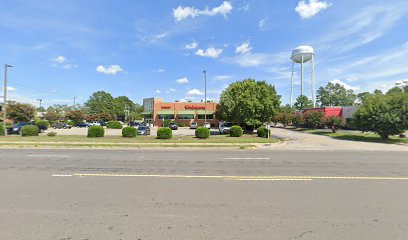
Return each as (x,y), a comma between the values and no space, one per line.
(313,83)
(301,77)
(291,86)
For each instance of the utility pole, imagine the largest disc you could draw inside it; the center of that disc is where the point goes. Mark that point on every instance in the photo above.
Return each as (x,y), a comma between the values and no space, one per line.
(6,66)
(74,102)
(40,100)
(205,97)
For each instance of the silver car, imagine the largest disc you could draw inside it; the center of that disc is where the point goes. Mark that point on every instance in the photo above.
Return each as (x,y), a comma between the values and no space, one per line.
(224,127)
(143,130)
(193,125)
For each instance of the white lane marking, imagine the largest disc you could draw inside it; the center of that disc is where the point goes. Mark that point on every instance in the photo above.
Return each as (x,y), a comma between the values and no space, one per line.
(274,179)
(247,158)
(48,156)
(62,175)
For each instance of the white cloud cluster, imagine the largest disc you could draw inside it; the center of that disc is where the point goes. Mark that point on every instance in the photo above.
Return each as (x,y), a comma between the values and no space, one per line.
(182,80)
(171,90)
(60,59)
(181,13)
(210,52)
(62,62)
(345,85)
(243,48)
(160,70)
(192,45)
(222,77)
(311,8)
(195,92)
(157,91)
(113,69)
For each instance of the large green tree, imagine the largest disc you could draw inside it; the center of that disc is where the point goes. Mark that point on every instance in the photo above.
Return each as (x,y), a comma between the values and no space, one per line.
(123,106)
(335,95)
(248,103)
(303,102)
(100,102)
(20,112)
(75,116)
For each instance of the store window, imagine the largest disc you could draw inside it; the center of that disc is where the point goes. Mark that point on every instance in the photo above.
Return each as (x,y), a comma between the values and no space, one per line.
(165,116)
(202,116)
(185,116)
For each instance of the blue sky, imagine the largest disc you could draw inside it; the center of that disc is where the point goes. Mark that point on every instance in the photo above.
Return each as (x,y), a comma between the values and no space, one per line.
(61,49)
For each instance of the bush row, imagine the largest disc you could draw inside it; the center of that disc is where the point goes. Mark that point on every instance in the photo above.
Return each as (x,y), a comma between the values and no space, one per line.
(311,119)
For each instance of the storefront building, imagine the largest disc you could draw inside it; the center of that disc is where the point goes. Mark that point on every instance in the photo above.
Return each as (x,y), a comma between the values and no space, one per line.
(155,111)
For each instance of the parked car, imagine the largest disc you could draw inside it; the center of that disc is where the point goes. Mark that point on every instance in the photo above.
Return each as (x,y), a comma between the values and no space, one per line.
(103,124)
(95,123)
(143,130)
(207,125)
(224,127)
(16,129)
(133,124)
(82,125)
(193,125)
(59,125)
(41,128)
(173,126)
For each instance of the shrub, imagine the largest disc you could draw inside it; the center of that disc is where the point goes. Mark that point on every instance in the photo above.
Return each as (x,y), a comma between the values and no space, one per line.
(164,133)
(51,134)
(1,129)
(297,119)
(236,131)
(29,130)
(166,123)
(314,118)
(334,122)
(114,125)
(42,123)
(262,132)
(129,132)
(284,118)
(181,124)
(95,131)
(202,133)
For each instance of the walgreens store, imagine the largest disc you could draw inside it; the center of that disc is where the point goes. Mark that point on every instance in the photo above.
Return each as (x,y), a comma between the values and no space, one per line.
(155,110)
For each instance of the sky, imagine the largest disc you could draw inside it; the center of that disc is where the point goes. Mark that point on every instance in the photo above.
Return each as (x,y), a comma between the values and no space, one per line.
(71,48)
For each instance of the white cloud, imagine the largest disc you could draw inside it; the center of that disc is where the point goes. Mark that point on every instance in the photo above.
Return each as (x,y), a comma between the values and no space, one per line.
(160,70)
(243,48)
(10,88)
(60,59)
(70,66)
(113,69)
(262,23)
(210,52)
(345,85)
(182,100)
(310,9)
(192,45)
(195,92)
(157,91)
(170,90)
(182,80)
(181,13)
(222,77)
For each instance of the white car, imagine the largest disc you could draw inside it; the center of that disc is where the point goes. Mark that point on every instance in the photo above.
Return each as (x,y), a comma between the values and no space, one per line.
(207,125)
(95,124)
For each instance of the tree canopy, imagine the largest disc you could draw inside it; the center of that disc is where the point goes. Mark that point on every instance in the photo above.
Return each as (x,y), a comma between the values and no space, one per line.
(249,103)
(335,95)
(303,102)
(20,112)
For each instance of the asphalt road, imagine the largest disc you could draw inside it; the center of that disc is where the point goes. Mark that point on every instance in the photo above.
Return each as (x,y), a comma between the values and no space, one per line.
(202,194)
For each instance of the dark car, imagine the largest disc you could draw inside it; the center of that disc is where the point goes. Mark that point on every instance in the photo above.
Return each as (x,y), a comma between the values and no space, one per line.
(41,127)
(173,126)
(103,124)
(143,130)
(82,125)
(133,124)
(16,129)
(60,125)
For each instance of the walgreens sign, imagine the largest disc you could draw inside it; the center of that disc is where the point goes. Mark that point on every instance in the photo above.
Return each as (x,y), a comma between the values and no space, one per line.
(194,107)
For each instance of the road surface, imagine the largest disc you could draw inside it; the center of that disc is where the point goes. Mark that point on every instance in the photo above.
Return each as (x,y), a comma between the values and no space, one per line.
(203,194)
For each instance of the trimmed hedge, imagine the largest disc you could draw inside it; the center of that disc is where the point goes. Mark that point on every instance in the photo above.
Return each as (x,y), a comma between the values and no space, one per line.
(1,129)
(202,132)
(95,131)
(164,133)
(262,132)
(181,124)
(114,125)
(40,122)
(129,132)
(30,130)
(236,131)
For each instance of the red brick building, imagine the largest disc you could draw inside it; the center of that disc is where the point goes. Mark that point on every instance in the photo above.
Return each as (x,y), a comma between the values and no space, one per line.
(155,110)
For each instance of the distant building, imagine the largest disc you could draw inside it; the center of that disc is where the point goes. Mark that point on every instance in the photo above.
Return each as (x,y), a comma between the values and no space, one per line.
(155,111)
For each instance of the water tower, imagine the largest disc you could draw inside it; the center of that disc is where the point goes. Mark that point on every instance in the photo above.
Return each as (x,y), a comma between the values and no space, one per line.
(302,55)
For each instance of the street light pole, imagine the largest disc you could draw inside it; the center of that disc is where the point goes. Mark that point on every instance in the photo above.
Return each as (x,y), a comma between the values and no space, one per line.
(205,98)
(39,100)
(74,102)
(6,66)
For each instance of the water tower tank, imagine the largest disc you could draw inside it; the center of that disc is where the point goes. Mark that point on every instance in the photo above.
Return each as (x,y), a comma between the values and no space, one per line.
(305,51)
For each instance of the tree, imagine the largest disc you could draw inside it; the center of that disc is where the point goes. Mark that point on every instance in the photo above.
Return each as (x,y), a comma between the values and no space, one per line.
(314,118)
(52,114)
(287,109)
(284,118)
(75,116)
(334,122)
(384,114)
(41,109)
(303,102)
(20,112)
(248,103)
(100,102)
(335,95)
(361,96)
(297,119)
(395,90)
(123,106)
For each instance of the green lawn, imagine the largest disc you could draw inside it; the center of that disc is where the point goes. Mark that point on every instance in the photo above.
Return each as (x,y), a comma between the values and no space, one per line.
(362,137)
(139,139)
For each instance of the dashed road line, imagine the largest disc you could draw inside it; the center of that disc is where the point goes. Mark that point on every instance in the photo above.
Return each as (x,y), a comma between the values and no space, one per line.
(245,158)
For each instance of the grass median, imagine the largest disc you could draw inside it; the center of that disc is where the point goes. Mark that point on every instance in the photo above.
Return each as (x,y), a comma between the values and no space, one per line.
(361,137)
(246,141)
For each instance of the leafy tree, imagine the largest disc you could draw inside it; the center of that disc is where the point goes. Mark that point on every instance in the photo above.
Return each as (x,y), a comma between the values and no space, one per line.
(383,114)
(378,92)
(248,103)
(123,106)
(314,118)
(335,95)
(361,96)
(406,89)
(303,102)
(100,102)
(395,90)
(52,114)
(41,109)
(334,122)
(284,118)
(287,109)
(75,116)
(20,112)
(297,119)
